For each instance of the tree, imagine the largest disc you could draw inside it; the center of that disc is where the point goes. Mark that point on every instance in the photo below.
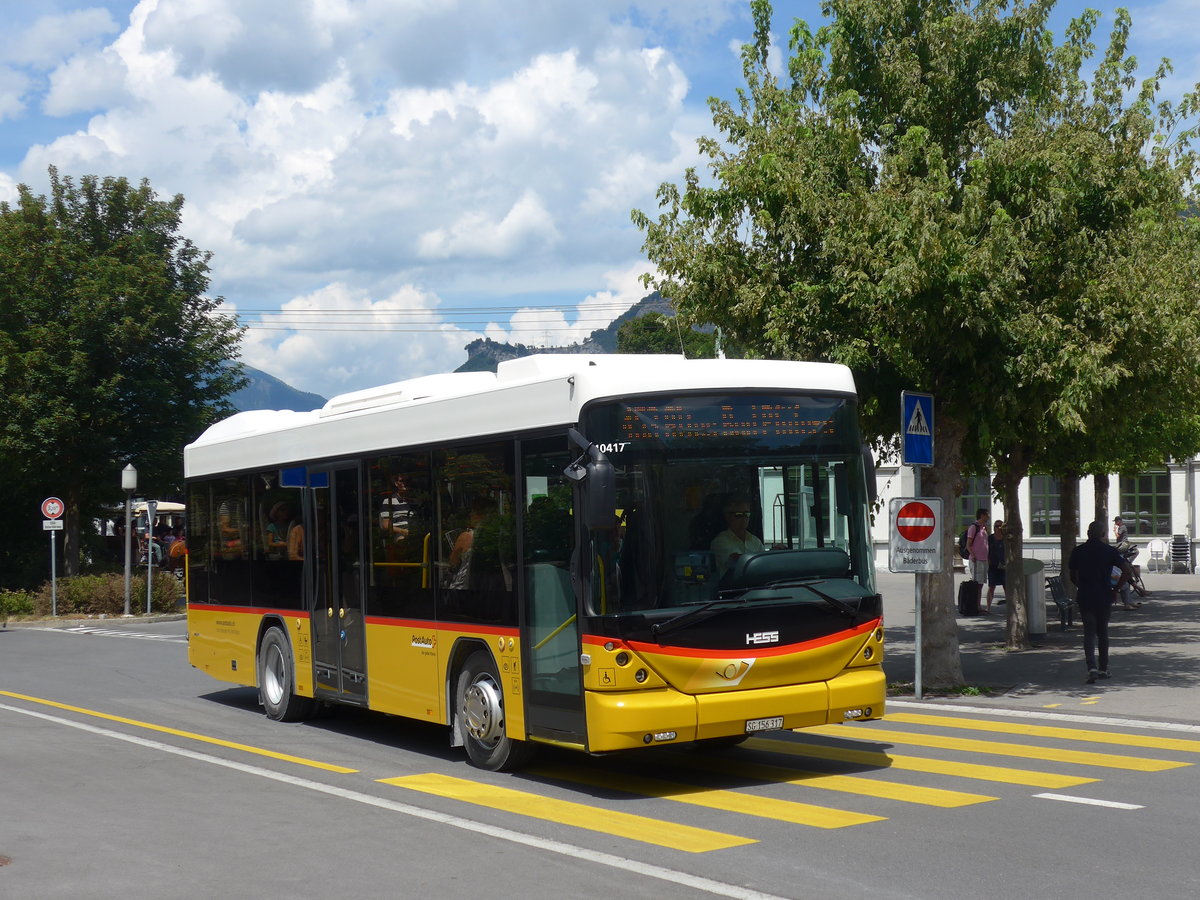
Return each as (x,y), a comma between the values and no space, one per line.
(656,333)
(109,350)
(939,201)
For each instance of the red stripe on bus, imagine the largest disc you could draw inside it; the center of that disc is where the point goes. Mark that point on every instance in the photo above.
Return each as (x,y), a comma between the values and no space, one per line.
(745,653)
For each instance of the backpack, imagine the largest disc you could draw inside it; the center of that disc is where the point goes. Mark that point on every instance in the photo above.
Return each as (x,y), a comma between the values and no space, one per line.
(963,550)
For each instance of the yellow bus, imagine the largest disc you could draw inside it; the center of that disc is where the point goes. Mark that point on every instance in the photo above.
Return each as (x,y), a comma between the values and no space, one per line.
(601,552)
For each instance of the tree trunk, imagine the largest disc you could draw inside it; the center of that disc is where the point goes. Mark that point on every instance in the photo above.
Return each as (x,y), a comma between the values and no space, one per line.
(941,664)
(1102,500)
(1068,525)
(1011,471)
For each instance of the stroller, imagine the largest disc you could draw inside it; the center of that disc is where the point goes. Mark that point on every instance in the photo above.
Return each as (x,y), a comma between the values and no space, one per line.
(1130,551)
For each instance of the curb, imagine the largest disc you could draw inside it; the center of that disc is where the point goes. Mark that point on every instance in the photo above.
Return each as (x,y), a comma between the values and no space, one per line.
(92,620)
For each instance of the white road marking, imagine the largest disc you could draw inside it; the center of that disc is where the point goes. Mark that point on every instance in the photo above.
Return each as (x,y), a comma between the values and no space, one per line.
(1052,716)
(110,632)
(661,873)
(1067,798)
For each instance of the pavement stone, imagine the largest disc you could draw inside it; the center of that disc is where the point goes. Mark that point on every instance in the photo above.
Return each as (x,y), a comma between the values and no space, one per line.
(1154,655)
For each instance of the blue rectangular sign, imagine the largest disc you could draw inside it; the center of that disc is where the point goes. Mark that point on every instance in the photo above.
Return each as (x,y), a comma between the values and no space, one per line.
(916,429)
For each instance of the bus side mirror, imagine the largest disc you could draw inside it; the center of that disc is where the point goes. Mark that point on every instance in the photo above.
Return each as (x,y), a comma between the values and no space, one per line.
(598,484)
(600,496)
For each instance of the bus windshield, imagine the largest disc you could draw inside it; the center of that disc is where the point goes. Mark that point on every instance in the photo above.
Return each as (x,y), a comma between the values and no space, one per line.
(750,497)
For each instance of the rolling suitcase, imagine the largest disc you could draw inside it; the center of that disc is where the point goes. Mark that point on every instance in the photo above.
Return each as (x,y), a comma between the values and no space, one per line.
(968,598)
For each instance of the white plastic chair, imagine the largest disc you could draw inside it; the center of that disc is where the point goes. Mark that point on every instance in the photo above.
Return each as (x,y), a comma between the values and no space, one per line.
(1157,548)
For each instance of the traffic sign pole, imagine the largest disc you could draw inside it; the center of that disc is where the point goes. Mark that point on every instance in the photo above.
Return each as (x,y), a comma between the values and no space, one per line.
(52,509)
(918,656)
(53,577)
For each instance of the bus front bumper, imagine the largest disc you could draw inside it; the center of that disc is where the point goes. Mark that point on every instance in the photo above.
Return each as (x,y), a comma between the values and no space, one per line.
(624,720)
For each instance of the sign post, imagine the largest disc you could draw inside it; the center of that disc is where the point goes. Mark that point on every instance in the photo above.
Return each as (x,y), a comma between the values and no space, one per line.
(52,510)
(916,450)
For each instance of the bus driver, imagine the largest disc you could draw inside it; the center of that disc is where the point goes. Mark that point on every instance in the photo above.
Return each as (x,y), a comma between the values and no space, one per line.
(736,539)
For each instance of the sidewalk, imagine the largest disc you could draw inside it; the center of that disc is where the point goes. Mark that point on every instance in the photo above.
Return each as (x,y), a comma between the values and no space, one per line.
(1154,655)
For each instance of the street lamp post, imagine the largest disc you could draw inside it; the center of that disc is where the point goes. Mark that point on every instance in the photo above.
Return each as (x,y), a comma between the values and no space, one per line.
(129,485)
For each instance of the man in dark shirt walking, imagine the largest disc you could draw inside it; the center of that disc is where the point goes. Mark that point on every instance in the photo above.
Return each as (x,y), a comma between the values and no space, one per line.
(1091,566)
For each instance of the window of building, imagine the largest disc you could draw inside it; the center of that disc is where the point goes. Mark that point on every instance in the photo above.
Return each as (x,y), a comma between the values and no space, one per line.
(1146,503)
(976,495)
(1044,506)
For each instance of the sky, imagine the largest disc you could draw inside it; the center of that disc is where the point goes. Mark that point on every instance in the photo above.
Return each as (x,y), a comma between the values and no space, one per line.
(381,182)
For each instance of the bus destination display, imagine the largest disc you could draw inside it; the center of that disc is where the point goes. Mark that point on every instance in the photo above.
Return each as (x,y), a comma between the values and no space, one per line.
(770,421)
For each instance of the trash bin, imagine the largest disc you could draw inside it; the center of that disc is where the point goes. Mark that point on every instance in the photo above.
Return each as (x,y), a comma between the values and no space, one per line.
(1034,571)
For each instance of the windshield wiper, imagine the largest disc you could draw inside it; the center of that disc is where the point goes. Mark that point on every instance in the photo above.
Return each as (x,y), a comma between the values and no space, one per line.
(836,603)
(658,629)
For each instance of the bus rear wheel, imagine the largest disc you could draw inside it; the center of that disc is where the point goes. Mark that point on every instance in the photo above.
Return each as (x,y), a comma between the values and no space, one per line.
(479,700)
(277,680)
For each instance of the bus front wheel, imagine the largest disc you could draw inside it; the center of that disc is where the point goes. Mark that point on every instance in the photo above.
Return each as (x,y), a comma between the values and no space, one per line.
(276,680)
(479,700)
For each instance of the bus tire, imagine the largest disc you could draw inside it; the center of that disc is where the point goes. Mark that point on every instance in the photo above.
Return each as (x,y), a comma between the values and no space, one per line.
(277,680)
(479,703)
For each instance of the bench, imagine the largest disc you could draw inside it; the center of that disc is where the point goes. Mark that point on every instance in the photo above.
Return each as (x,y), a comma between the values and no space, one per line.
(1058,593)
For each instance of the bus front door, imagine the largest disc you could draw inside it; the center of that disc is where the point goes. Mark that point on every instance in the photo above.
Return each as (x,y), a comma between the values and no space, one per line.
(553,681)
(339,631)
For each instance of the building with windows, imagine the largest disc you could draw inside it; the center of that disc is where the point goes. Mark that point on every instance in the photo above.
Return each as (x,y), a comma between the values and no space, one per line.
(1157,505)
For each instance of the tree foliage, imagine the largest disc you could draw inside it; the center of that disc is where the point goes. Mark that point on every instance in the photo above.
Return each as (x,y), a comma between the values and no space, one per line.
(110,352)
(656,333)
(935,196)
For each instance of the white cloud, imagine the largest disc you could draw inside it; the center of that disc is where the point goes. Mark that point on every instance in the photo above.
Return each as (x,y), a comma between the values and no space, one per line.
(86,82)
(524,226)
(550,327)
(337,338)
(13,86)
(470,152)
(52,38)
(8,189)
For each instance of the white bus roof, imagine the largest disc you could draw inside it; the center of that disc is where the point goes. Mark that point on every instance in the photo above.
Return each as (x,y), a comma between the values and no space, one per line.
(523,394)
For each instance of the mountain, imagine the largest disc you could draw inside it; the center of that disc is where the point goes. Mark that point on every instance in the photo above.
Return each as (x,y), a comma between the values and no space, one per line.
(484,355)
(265,391)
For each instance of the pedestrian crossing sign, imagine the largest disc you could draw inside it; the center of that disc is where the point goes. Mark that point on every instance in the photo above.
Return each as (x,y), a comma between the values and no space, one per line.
(916,429)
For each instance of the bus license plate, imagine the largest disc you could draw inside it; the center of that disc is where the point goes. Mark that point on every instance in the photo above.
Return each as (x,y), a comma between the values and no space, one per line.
(772,724)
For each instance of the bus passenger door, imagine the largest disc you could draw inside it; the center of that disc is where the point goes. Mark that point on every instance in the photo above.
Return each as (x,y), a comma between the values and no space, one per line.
(339,631)
(550,622)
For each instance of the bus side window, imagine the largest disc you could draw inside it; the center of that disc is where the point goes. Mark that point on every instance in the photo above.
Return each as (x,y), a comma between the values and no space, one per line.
(199,542)
(476,523)
(230,582)
(401,537)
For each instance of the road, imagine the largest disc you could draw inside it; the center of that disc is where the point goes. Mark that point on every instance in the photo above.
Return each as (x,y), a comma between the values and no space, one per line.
(124,772)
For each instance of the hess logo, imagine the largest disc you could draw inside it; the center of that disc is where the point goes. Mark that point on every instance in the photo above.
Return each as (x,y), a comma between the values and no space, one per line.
(762,637)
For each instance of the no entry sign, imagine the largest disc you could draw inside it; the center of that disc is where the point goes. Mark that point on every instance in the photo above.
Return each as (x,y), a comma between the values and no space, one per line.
(915,535)
(915,521)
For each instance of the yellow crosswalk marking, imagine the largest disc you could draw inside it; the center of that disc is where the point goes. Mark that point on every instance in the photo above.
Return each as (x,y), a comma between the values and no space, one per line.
(846,784)
(1067,734)
(976,771)
(579,815)
(1001,748)
(728,801)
